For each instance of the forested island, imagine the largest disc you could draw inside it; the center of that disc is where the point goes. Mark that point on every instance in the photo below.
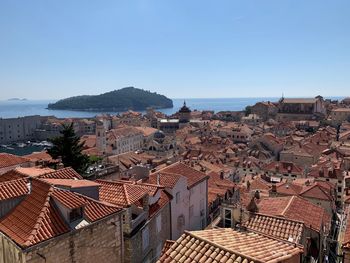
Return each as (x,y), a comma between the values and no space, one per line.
(128,98)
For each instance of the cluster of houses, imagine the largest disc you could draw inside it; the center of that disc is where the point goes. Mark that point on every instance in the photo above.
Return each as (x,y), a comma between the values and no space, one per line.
(269,185)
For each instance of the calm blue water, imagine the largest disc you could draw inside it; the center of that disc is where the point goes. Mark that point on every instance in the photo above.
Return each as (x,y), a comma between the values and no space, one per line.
(13,109)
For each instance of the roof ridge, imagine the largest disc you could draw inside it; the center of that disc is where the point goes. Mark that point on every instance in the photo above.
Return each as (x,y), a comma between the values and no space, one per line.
(126,194)
(40,219)
(288,205)
(281,217)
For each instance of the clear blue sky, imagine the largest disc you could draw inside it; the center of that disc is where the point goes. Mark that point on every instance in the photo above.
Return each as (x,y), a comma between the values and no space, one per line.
(180,48)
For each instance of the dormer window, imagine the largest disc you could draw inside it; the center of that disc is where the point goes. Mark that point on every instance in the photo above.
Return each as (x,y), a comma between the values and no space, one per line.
(75,214)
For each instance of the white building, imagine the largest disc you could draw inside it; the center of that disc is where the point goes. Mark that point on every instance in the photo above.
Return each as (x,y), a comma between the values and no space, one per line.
(117,141)
(189,188)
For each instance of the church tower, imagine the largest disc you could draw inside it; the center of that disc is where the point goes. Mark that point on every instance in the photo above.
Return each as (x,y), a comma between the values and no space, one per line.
(184,114)
(100,137)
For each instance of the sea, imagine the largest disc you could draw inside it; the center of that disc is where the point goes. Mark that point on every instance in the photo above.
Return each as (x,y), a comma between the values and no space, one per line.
(21,108)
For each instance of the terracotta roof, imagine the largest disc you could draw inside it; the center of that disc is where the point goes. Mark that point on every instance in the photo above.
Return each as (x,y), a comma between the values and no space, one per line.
(68,199)
(121,194)
(165,179)
(228,245)
(35,219)
(93,209)
(7,160)
(89,141)
(283,167)
(64,173)
(193,176)
(71,183)
(96,210)
(34,171)
(11,175)
(288,188)
(279,227)
(216,180)
(295,208)
(166,246)
(39,156)
(146,131)
(316,191)
(259,184)
(14,188)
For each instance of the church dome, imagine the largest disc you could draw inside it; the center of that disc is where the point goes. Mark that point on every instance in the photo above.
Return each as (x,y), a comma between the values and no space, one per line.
(159,135)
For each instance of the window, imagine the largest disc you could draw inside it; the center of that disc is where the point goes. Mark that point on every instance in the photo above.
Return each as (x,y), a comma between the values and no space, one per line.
(227,218)
(178,197)
(145,238)
(191,211)
(75,214)
(339,189)
(159,223)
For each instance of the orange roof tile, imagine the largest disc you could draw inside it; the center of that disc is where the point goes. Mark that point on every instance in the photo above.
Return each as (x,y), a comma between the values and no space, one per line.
(227,245)
(68,199)
(295,208)
(288,188)
(11,175)
(13,188)
(71,183)
(317,191)
(64,173)
(35,219)
(276,226)
(7,160)
(34,171)
(119,193)
(193,176)
(39,156)
(165,179)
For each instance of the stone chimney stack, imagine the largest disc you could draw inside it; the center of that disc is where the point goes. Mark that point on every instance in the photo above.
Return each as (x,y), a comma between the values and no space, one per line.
(274,188)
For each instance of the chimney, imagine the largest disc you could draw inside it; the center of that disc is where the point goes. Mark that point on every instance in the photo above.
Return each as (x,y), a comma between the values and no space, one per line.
(158,179)
(277,167)
(29,185)
(145,202)
(274,188)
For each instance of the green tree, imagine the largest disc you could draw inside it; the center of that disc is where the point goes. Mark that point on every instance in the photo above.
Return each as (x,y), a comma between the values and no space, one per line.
(69,148)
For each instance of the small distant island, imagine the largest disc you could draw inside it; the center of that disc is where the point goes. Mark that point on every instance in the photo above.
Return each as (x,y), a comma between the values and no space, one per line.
(17,99)
(128,98)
